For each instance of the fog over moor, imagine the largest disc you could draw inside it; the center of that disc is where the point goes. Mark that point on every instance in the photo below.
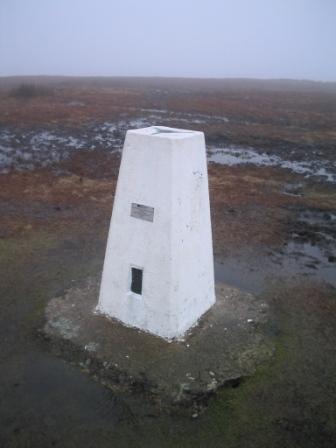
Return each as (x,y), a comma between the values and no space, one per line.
(183,38)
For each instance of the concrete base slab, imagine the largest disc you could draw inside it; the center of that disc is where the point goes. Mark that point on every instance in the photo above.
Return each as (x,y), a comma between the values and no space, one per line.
(226,345)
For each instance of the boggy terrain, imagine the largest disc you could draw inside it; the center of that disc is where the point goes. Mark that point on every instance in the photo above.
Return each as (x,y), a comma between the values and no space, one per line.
(271,148)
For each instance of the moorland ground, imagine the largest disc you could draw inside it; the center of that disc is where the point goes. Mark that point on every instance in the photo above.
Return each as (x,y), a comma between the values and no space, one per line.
(273,201)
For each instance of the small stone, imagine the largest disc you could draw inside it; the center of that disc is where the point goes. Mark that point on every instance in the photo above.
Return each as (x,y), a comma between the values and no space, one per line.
(212,385)
(211,373)
(194,415)
(249,321)
(188,375)
(91,347)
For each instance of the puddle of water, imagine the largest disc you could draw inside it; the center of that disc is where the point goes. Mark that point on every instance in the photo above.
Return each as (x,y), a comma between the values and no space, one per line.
(321,218)
(309,260)
(240,275)
(233,156)
(48,147)
(293,189)
(186,117)
(295,259)
(23,151)
(44,396)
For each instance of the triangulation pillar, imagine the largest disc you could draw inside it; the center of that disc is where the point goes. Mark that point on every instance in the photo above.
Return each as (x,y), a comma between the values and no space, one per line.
(158,272)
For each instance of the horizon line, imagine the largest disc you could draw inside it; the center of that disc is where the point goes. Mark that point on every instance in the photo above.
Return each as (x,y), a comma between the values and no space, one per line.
(212,78)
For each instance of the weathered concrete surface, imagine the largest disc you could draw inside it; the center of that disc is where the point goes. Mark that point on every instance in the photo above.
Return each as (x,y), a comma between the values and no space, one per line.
(227,344)
(169,175)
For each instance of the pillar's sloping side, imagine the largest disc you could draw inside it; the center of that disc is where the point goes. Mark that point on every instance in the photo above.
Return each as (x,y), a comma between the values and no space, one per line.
(192,250)
(163,172)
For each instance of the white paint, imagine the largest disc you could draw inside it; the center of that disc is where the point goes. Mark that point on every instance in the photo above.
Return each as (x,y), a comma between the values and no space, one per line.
(166,169)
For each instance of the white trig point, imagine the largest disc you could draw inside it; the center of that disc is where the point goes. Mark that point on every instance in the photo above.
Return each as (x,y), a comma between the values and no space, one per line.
(158,272)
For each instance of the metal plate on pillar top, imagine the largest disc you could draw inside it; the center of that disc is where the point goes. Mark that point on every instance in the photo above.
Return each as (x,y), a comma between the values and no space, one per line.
(143,212)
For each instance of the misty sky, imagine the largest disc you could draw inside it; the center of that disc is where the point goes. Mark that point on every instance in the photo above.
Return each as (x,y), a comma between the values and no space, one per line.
(197,38)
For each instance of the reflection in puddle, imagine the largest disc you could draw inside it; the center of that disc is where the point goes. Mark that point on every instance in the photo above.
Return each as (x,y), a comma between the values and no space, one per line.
(295,259)
(233,156)
(44,147)
(240,275)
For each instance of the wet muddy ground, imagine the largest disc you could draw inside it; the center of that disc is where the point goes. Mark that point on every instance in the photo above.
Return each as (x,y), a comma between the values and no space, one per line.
(175,377)
(273,197)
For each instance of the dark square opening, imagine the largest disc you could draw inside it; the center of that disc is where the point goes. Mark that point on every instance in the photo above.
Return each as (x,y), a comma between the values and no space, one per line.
(136,284)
